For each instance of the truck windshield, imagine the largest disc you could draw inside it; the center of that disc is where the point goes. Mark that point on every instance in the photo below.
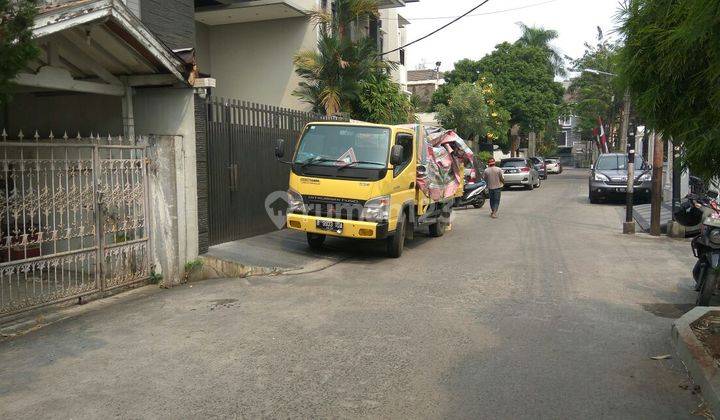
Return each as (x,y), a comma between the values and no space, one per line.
(339,146)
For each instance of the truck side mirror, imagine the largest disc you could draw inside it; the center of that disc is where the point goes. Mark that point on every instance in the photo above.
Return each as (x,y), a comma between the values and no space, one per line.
(396,155)
(592,167)
(279,148)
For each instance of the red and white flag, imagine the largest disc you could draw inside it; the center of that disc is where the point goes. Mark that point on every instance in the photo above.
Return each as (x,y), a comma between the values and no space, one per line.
(602,138)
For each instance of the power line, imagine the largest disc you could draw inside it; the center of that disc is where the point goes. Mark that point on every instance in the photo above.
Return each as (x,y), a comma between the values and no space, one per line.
(436,30)
(494,12)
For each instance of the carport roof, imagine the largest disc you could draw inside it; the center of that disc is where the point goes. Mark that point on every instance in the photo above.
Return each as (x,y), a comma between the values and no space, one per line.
(101,41)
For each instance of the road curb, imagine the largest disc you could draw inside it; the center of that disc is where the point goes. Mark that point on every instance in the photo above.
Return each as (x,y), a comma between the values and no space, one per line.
(697,360)
(218,268)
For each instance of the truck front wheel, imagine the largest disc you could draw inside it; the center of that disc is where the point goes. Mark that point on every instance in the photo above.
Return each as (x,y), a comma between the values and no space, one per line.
(396,243)
(315,240)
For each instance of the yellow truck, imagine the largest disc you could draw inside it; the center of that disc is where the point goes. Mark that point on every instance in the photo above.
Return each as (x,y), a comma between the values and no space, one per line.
(360,180)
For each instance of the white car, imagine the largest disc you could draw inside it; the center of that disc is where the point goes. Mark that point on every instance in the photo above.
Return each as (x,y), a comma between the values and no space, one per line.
(553,166)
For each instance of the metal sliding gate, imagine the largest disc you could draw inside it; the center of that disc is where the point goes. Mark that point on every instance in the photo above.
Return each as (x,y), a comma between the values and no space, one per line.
(242,170)
(73,219)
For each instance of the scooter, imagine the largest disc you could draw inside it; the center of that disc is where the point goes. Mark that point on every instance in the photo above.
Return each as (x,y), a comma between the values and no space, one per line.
(694,210)
(474,194)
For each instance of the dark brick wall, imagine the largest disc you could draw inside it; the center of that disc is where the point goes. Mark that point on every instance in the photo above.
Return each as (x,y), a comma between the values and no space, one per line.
(170,20)
(423,93)
(201,150)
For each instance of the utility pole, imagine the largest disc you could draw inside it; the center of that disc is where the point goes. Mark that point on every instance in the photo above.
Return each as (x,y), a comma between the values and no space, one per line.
(657,187)
(629,134)
(625,122)
(676,174)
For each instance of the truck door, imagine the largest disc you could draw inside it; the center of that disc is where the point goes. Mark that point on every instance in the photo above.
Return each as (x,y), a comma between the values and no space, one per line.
(403,190)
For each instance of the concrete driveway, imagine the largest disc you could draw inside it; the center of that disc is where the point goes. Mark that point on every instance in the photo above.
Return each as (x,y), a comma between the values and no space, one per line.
(547,312)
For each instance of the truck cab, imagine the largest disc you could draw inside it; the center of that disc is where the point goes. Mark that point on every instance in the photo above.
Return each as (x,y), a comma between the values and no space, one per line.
(358,180)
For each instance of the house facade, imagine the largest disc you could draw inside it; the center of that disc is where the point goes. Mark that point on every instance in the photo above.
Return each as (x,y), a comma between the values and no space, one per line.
(98,150)
(248,46)
(422,84)
(569,134)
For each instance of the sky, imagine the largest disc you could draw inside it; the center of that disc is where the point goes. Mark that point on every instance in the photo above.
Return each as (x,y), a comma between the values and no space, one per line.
(475,36)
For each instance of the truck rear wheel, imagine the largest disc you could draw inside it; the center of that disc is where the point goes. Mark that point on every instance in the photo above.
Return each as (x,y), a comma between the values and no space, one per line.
(315,240)
(437,229)
(396,243)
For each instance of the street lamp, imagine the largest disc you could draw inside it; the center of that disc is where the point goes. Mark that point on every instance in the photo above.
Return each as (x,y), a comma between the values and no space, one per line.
(629,148)
(593,71)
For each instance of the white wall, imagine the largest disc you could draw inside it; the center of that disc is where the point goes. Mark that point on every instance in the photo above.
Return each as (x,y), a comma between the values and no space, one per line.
(202,48)
(393,38)
(169,115)
(254,61)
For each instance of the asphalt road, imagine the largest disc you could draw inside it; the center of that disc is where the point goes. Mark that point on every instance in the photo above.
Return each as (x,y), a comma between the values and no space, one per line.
(547,312)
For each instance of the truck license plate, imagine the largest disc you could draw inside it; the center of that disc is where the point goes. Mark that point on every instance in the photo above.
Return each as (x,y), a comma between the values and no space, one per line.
(329,225)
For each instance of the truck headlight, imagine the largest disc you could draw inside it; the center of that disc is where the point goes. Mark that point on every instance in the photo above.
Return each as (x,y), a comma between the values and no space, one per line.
(377,209)
(295,202)
(600,177)
(714,236)
(645,177)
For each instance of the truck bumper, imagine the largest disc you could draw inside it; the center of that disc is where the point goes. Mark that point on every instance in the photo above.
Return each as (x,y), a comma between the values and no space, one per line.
(601,189)
(351,228)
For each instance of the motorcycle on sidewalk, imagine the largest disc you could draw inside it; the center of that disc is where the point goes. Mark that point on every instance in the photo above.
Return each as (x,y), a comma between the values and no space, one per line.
(697,209)
(474,194)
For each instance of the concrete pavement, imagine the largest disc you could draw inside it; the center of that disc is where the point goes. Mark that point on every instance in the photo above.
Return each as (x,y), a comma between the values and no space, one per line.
(547,312)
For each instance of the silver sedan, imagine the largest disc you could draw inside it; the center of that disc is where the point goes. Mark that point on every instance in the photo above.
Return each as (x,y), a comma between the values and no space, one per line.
(520,171)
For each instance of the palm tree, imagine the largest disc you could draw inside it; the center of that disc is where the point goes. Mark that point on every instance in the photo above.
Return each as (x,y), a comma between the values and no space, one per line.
(540,37)
(332,74)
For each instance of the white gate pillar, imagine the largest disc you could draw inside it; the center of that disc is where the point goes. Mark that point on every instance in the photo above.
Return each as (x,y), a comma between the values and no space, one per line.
(128,115)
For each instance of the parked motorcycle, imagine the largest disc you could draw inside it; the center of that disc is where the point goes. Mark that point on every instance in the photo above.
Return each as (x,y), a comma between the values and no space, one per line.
(703,209)
(474,194)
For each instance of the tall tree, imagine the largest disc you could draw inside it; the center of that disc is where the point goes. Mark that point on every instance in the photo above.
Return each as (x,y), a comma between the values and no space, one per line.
(464,71)
(525,82)
(333,73)
(473,111)
(542,38)
(346,76)
(596,95)
(671,65)
(16,45)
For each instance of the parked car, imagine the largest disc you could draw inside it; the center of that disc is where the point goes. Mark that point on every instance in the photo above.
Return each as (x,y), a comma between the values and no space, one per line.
(608,177)
(520,171)
(553,166)
(539,164)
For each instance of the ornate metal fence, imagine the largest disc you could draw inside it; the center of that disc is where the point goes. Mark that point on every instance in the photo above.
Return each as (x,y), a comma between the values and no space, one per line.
(73,218)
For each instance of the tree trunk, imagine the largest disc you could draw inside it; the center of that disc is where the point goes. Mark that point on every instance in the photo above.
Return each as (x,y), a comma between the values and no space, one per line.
(514,140)
(657,185)
(532,140)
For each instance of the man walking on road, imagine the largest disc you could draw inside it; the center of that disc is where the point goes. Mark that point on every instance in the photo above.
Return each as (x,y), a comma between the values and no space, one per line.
(493,176)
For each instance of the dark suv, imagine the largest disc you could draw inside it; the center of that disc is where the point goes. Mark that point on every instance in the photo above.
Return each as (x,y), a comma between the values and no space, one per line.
(608,177)
(539,164)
